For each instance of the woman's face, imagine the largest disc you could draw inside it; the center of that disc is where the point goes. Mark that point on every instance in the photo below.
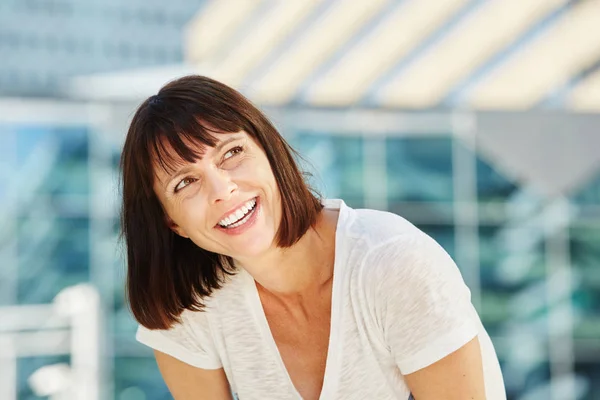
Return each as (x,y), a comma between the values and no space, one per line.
(226,202)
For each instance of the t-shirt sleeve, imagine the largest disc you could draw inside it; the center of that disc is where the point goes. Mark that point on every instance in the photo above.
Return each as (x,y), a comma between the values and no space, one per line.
(423,307)
(189,341)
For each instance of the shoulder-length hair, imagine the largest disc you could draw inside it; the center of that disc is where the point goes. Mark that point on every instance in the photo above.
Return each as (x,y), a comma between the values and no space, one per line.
(167,273)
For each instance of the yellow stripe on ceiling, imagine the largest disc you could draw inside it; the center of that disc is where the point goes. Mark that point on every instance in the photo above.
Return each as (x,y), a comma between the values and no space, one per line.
(489,29)
(393,39)
(586,95)
(213,26)
(280,20)
(336,26)
(566,48)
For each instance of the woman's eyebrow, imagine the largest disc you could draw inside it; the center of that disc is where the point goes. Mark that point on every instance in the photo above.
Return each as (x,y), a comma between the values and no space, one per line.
(225,142)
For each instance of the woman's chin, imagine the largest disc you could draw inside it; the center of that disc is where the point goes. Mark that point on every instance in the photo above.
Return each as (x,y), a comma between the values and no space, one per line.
(255,247)
(252,241)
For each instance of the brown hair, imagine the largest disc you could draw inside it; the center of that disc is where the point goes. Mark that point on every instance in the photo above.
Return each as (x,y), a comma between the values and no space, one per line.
(167,273)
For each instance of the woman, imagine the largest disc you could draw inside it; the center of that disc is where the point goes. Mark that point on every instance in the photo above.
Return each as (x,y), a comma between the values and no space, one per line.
(245,282)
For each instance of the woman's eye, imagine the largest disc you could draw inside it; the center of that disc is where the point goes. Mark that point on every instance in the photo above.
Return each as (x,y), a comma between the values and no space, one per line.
(233,152)
(184,182)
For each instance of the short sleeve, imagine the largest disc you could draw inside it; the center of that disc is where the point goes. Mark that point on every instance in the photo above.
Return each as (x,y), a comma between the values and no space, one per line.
(189,341)
(423,306)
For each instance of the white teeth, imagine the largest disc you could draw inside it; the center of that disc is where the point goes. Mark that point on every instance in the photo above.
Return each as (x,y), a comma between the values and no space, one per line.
(230,220)
(239,214)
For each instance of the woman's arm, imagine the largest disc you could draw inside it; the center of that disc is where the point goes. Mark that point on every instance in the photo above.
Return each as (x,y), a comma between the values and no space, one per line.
(186,382)
(458,376)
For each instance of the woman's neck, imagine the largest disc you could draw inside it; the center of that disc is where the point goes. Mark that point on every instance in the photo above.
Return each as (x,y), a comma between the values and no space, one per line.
(303,268)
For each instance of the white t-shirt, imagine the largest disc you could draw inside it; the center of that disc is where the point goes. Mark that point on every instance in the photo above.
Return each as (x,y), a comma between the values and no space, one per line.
(399,304)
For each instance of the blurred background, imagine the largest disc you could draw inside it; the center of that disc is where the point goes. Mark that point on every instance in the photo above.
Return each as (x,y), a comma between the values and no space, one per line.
(476,120)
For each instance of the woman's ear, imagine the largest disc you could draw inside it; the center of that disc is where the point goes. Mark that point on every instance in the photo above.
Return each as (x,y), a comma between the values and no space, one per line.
(176,228)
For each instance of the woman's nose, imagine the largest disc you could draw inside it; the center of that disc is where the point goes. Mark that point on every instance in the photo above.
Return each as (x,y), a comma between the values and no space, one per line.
(221,186)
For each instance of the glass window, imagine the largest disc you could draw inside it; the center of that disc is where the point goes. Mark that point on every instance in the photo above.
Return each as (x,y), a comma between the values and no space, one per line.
(585,260)
(589,193)
(491,184)
(52,214)
(510,272)
(55,248)
(141,373)
(419,169)
(587,376)
(337,165)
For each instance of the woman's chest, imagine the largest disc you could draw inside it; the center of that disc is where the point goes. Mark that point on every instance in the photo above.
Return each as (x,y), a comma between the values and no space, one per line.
(266,354)
(288,363)
(303,349)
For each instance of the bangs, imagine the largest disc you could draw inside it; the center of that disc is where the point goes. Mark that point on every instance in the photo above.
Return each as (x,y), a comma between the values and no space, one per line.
(169,147)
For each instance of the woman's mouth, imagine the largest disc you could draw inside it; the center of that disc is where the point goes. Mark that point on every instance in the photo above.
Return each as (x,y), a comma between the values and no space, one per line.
(240,217)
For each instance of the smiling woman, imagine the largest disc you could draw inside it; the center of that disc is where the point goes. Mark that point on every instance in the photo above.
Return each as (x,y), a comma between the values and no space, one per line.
(168,139)
(245,281)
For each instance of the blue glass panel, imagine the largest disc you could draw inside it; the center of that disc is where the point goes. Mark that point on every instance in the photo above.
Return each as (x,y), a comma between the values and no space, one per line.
(589,375)
(7,149)
(336,162)
(141,373)
(491,184)
(61,257)
(504,273)
(585,259)
(589,193)
(419,169)
(28,138)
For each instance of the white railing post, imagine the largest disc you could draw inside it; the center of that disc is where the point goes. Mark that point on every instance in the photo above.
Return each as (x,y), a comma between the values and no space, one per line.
(82,304)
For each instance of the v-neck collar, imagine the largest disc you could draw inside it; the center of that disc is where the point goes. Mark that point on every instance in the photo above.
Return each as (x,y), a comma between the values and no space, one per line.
(332,363)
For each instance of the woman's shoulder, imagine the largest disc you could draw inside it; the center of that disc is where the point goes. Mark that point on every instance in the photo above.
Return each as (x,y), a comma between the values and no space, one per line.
(375,227)
(394,250)
(381,245)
